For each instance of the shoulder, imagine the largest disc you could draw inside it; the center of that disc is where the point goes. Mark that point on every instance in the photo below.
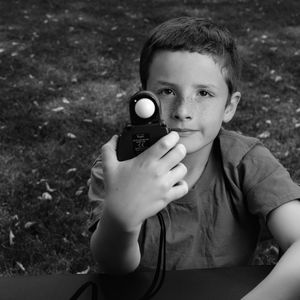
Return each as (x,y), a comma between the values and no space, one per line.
(262,179)
(235,146)
(246,160)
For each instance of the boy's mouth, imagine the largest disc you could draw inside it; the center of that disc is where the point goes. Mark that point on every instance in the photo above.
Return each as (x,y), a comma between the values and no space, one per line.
(184,131)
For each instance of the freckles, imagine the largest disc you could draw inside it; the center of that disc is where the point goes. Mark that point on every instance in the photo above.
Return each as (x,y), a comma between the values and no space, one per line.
(199,110)
(166,109)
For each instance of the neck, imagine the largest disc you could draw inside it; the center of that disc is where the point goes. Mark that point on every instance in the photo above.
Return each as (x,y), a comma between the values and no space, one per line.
(195,163)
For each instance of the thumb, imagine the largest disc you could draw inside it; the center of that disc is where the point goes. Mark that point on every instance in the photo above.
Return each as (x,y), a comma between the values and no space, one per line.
(109,156)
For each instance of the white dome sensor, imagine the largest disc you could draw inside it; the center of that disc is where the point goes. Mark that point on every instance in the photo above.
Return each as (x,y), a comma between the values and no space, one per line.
(144,108)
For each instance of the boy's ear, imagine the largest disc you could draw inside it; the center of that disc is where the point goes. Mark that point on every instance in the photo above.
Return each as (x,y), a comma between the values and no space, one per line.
(231,107)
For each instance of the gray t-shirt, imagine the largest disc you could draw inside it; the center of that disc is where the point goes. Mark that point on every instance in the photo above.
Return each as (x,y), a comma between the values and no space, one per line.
(218,222)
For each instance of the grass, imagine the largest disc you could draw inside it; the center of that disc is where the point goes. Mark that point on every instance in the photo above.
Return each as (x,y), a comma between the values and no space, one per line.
(67,68)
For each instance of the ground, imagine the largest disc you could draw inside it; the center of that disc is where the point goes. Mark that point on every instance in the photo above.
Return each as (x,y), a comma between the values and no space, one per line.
(67,68)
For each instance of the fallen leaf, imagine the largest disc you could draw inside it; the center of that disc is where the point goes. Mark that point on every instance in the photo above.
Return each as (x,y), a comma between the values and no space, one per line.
(72,170)
(71,135)
(264,135)
(57,109)
(65,100)
(11,237)
(20,266)
(84,233)
(78,192)
(48,188)
(65,240)
(29,224)
(121,94)
(291,87)
(46,196)
(15,217)
(277,78)
(84,271)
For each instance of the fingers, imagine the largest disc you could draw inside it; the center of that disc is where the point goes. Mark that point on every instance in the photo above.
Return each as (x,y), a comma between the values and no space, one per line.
(174,157)
(163,146)
(179,190)
(109,155)
(175,185)
(175,176)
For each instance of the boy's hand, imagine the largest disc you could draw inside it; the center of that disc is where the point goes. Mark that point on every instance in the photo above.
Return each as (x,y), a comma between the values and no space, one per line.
(142,186)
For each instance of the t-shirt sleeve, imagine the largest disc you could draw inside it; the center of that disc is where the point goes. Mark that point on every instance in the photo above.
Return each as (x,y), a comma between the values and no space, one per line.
(266,183)
(95,194)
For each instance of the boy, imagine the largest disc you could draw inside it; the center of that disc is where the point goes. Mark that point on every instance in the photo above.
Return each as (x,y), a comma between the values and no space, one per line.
(212,186)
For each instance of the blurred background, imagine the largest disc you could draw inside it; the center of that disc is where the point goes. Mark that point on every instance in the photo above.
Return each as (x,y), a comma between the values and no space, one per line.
(67,69)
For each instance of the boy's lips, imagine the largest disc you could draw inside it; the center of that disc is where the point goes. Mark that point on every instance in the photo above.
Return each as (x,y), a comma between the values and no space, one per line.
(184,131)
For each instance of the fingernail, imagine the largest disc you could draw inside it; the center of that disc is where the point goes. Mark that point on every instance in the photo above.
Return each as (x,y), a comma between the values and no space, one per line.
(175,134)
(182,148)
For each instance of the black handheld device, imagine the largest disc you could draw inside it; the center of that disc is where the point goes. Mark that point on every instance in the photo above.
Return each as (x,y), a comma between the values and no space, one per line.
(145,127)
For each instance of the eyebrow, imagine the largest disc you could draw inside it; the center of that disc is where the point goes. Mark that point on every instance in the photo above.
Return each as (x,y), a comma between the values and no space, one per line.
(208,85)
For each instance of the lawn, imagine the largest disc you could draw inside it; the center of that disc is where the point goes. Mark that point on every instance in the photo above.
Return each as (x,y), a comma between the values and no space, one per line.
(66,70)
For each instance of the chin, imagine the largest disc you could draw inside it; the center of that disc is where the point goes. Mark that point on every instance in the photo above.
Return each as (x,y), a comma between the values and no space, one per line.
(190,148)
(195,147)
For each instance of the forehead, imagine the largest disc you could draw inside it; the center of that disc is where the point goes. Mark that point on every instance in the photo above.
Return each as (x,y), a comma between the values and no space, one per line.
(186,67)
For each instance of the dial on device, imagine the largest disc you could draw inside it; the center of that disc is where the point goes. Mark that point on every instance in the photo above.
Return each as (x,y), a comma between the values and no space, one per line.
(145,127)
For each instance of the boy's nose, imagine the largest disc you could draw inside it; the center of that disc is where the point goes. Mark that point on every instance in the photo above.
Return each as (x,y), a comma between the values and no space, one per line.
(182,111)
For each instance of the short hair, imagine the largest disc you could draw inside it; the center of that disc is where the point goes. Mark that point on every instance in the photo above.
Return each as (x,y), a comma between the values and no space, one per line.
(194,34)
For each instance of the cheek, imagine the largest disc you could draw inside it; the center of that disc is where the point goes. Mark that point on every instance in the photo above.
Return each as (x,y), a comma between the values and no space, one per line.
(208,115)
(166,110)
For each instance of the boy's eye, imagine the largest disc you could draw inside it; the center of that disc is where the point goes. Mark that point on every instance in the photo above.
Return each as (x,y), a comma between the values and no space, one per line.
(166,92)
(204,93)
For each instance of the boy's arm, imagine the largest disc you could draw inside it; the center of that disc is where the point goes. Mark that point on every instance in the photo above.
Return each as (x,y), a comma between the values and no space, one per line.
(283,282)
(135,190)
(115,250)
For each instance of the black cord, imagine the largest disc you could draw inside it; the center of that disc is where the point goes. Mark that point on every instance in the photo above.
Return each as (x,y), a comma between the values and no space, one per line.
(83,288)
(160,271)
(159,275)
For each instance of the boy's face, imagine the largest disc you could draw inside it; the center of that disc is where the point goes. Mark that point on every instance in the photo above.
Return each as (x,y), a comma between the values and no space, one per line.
(193,96)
